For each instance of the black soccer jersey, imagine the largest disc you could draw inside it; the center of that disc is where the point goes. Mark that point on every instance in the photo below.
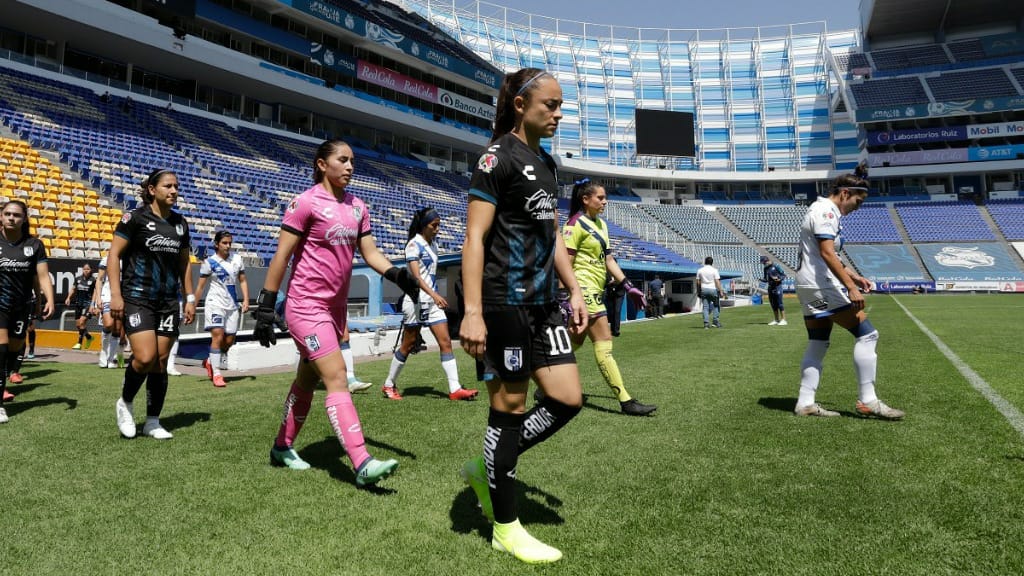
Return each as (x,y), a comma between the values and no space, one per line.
(519,251)
(18,271)
(151,264)
(83,290)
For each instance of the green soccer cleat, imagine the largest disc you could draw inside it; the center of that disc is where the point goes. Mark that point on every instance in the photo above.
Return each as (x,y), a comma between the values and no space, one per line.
(515,540)
(287,458)
(373,471)
(474,473)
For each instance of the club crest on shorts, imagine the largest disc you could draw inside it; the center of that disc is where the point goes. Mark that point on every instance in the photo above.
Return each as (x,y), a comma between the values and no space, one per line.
(134,320)
(312,343)
(513,359)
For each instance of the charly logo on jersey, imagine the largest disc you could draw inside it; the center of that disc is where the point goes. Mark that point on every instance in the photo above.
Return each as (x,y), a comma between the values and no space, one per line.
(541,205)
(487,163)
(528,172)
(151,226)
(964,257)
(513,359)
(327,213)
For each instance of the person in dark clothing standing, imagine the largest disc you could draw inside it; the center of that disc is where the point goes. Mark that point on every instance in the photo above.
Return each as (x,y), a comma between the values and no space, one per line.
(22,265)
(152,243)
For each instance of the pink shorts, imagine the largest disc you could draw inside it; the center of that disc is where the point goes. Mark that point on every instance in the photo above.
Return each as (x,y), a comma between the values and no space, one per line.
(316,333)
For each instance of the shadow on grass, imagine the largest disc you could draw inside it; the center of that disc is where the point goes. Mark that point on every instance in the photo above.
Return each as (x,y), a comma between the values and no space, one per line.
(328,455)
(788,404)
(184,419)
(18,389)
(535,506)
(423,391)
(37,372)
(17,407)
(782,404)
(588,404)
(236,378)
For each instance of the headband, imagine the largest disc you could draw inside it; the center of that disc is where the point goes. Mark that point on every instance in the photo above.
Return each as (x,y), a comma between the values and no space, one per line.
(530,81)
(155,176)
(855,188)
(581,182)
(429,216)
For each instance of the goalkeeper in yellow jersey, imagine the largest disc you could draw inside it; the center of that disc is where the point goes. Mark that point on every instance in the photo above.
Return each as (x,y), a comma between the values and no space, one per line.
(586,238)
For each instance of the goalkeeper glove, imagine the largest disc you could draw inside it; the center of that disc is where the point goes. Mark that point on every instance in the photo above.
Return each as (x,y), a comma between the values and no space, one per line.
(265,316)
(635,295)
(400,277)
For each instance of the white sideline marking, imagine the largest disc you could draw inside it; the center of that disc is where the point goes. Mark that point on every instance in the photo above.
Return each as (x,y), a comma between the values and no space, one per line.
(1009,411)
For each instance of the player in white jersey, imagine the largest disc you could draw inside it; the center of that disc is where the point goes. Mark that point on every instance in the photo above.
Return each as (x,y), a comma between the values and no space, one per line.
(427,309)
(831,293)
(226,274)
(111,334)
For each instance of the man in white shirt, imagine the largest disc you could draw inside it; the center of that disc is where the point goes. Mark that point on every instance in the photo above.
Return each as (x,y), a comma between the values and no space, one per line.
(709,284)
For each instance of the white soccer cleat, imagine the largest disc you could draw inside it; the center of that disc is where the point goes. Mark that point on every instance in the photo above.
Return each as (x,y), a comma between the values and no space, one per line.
(815,410)
(773,323)
(125,418)
(783,323)
(173,372)
(154,430)
(3,415)
(355,385)
(879,409)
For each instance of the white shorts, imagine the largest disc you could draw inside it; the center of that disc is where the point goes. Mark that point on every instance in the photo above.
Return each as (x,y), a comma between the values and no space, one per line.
(819,302)
(423,314)
(221,318)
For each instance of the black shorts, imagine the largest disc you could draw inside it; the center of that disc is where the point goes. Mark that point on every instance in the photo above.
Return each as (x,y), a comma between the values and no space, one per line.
(159,317)
(522,339)
(15,322)
(82,310)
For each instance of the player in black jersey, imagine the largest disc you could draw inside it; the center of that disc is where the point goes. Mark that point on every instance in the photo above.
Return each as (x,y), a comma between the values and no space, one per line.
(22,265)
(81,299)
(148,266)
(512,323)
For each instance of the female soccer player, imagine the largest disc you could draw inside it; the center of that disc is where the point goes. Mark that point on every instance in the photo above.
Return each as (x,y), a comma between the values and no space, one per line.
(81,295)
(322,228)
(22,264)
(512,323)
(153,243)
(587,241)
(830,293)
(428,309)
(221,312)
(111,333)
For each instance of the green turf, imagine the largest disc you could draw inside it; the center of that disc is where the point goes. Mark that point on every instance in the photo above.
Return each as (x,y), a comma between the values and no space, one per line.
(723,480)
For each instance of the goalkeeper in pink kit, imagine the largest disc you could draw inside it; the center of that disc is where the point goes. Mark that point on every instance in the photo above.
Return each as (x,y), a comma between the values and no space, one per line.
(586,239)
(322,228)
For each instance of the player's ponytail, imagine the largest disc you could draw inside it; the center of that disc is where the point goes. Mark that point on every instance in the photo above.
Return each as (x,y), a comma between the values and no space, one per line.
(581,190)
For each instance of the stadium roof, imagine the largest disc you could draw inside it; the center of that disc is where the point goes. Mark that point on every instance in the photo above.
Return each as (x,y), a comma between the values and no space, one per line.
(888,18)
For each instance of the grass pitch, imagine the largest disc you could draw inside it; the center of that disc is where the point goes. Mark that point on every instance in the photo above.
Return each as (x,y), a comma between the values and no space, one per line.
(722,480)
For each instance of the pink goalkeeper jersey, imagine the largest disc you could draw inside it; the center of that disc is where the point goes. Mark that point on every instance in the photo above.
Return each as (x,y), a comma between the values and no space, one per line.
(322,263)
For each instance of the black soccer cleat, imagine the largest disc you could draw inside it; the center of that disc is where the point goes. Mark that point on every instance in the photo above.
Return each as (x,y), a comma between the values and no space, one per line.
(634,408)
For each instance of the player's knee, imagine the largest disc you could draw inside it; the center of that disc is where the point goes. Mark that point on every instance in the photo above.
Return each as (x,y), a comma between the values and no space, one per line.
(864,332)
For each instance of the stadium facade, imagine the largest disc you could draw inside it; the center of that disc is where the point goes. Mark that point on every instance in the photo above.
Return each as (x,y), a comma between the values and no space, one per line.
(762,97)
